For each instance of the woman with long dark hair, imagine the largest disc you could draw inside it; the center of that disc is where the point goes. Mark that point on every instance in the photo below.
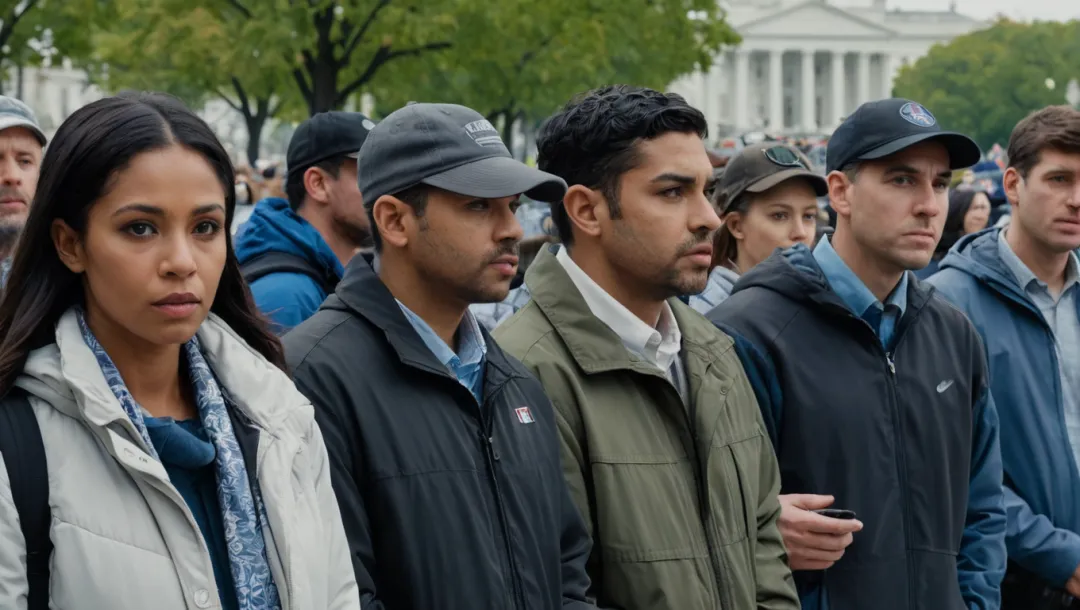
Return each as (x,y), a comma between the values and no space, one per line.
(969,212)
(184,468)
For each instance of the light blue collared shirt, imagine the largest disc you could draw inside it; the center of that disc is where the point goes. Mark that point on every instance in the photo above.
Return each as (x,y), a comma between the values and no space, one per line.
(467,366)
(5,268)
(882,318)
(1060,315)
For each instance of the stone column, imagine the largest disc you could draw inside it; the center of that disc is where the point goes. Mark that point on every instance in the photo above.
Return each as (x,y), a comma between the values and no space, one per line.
(808,87)
(889,66)
(714,84)
(839,89)
(776,91)
(741,91)
(863,77)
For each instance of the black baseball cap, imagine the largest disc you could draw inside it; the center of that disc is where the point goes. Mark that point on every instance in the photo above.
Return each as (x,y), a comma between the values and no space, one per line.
(449,147)
(759,167)
(327,135)
(885,127)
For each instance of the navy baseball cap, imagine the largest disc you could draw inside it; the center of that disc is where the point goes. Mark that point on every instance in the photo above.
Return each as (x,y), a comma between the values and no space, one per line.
(885,127)
(449,147)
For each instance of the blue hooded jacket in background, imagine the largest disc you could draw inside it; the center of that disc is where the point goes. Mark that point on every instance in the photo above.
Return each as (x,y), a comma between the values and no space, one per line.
(286,298)
(1042,495)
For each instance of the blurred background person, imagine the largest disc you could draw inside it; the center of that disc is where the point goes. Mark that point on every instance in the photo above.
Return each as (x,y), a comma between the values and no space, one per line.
(969,212)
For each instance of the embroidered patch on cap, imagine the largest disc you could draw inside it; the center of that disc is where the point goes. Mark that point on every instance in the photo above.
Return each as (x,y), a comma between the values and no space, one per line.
(917,115)
(483,133)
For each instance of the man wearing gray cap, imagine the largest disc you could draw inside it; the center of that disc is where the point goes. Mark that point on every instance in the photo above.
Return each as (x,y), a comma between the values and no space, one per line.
(443,449)
(21,146)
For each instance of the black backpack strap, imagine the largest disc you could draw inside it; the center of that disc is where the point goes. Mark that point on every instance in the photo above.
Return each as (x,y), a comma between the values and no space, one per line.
(283,262)
(24,456)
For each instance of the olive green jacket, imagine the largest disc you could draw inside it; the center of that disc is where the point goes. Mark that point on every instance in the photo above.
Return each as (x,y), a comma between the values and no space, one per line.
(681,503)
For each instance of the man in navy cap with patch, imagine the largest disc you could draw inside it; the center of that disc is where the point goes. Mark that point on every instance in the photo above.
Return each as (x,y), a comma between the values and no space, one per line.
(444,450)
(874,389)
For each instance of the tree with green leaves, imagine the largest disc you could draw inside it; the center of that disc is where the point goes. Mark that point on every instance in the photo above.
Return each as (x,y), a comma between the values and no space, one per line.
(332,49)
(36,32)
(516,61)
(984,83)
(196,56)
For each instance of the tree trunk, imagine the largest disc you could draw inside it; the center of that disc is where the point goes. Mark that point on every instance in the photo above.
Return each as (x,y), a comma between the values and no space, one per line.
(19,75)
(255,124)
(508,129)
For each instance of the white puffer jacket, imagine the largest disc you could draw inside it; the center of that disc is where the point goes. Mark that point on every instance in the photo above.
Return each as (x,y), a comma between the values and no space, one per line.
(124,538)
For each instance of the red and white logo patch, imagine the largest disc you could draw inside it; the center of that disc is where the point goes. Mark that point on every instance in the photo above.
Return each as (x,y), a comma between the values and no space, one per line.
(524,415)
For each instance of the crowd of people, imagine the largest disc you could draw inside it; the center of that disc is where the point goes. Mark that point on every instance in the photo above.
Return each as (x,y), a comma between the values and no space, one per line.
(684,395)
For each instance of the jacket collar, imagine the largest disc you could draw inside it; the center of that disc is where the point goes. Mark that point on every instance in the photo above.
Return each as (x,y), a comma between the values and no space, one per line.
(67,376)
(363,294)
(593,345)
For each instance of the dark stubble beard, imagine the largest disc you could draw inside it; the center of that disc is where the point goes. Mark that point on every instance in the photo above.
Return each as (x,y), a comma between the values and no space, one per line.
(479,293)
(682,284)
(357,235)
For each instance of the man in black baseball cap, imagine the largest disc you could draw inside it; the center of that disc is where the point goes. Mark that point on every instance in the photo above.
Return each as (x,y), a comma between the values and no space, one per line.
(875,390)
(443,448)
(293,251)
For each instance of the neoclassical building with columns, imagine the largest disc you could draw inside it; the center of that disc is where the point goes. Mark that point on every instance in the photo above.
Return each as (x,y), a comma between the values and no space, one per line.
(803,65)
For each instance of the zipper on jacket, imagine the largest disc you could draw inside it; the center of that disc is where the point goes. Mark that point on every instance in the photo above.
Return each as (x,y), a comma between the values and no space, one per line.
(702,470)
(901,455)
(487,419)
(901,467)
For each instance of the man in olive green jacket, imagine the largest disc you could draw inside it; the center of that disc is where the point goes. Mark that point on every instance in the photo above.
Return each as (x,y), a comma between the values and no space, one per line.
(663,445)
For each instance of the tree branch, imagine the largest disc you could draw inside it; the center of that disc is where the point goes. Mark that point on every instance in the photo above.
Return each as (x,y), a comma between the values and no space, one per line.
(305,88)
(240,93)
(13,20)
(227,100)
(381,57)
(276,107)
(240,7)
(361,32)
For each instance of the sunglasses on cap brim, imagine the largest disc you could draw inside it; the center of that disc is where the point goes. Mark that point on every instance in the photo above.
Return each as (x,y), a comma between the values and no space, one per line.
(785,157)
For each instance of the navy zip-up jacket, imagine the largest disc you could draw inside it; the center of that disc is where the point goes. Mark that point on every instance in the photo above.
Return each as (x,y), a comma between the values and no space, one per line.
(908,439)
(1042,493)
(449,503)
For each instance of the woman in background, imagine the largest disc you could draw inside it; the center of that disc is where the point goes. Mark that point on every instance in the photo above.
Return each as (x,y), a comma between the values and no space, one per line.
(767,198)
(969,212)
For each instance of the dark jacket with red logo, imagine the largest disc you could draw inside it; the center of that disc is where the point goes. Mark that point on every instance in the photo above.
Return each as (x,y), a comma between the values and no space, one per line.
(447,503)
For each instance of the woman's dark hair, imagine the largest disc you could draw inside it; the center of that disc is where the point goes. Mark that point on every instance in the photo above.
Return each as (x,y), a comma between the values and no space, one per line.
(725,246)
(91,146)
(959,204)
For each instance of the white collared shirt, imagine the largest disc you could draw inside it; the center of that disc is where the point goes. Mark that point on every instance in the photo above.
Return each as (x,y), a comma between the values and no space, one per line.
(659,345)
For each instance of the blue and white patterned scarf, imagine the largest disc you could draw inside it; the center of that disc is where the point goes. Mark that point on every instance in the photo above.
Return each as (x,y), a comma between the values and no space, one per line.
(241,506)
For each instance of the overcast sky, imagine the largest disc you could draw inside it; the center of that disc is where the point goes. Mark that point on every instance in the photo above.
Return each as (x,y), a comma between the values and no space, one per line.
(1062,10)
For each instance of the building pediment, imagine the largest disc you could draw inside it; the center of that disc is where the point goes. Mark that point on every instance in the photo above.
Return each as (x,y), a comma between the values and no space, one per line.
(813,16)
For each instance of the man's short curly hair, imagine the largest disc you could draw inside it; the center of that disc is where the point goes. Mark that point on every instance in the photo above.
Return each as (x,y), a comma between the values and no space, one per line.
(594,139)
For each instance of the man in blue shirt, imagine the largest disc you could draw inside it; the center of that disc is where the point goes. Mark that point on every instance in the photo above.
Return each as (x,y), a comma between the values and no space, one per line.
(1021,288)
(444,449)
(875,391)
